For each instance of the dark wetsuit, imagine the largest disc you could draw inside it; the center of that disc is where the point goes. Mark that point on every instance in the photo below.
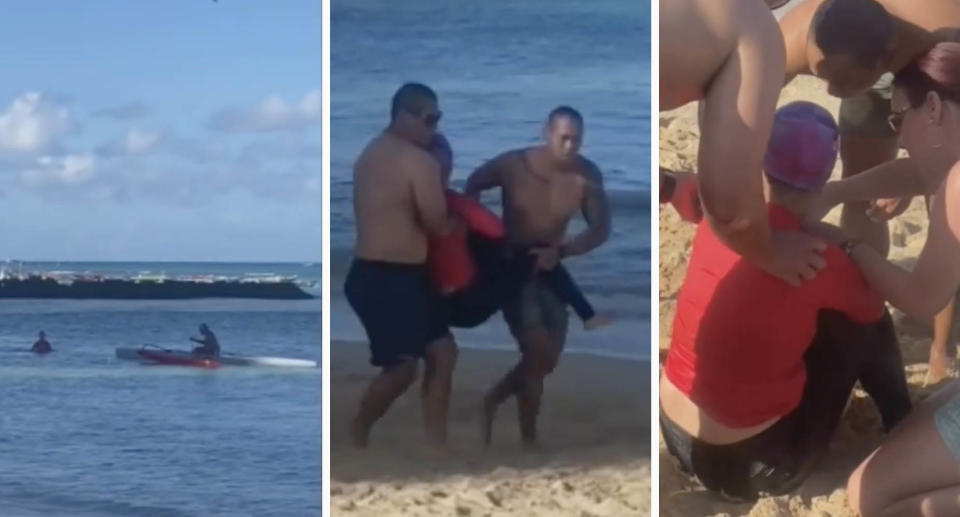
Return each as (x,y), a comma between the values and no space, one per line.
(506,280)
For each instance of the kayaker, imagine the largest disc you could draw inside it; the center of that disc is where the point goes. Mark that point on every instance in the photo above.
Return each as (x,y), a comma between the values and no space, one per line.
(209,344)
(42,346)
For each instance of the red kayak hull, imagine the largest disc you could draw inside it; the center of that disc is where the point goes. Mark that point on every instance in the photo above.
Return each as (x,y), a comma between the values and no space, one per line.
(159,357)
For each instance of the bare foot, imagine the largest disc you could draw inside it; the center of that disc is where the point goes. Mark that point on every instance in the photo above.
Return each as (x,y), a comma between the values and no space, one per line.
(600,320)
(435,451)
(486,421)
(359,434)
(532,445)
(937,369)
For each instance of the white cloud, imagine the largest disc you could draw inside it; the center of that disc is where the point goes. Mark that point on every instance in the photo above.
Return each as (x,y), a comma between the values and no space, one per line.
(135,141)
(132,111)
(32,123)
(273,114)
(72,169)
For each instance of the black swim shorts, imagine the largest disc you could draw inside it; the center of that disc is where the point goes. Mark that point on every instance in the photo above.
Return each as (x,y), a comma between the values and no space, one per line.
(399,308)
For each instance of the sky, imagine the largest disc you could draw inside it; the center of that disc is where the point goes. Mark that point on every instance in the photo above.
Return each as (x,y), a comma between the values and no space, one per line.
(181,130)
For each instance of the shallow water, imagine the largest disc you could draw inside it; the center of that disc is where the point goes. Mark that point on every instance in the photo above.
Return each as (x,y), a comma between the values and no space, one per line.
(498,68)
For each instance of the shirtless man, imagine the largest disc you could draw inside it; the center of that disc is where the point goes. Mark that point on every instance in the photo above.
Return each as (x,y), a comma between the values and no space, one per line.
(542,188)
(889,34)
(856,46)
(730,55)
(399,201)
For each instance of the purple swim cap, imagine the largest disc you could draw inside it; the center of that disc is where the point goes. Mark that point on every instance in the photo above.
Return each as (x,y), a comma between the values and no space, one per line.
(440,149)
(803,146)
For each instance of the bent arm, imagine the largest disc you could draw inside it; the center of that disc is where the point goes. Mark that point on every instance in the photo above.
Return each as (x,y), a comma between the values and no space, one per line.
(927,289)
(596,211)
(485,177)
(737,118)
(898,178)
(429,199)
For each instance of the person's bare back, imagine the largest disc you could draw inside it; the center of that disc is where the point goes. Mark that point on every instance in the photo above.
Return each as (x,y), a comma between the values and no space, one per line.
(389,227)
(916,27)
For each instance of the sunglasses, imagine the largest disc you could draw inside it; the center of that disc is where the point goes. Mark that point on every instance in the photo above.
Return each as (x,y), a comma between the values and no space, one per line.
(896,119)
(431,119)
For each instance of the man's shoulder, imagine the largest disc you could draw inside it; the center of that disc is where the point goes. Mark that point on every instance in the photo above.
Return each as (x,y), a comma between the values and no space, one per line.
(590,171)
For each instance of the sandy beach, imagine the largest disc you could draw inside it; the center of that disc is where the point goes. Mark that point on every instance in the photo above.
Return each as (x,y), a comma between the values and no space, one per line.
(822,495)
(594,459)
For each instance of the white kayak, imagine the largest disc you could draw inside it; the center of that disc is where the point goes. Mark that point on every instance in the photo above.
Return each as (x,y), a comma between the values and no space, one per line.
(156,355)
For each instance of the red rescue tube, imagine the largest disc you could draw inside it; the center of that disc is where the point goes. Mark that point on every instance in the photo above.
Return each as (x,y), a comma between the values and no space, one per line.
(478,217)
(448,258)
(161,358)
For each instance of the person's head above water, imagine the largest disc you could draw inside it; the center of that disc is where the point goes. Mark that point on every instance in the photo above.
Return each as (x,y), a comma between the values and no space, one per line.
(801,153)
(414,113)
(441,151)
(204,328)
(849,43)
(925,110)
(43,335)
(563,133)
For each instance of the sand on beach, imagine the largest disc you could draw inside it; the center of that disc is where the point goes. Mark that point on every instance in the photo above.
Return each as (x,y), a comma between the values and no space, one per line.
(594,459)
(823,494)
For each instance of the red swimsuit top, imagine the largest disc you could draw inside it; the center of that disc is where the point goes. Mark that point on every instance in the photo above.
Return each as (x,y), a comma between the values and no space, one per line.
(739,334)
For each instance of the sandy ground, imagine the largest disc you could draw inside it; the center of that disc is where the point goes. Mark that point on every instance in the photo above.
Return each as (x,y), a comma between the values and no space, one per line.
(822,495)
(594,460)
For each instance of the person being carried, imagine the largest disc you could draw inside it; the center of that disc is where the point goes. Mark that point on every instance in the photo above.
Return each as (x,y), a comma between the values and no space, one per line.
(758,372)
(42,346)
(541,189)
(398,204)
(557,279)
(209,346)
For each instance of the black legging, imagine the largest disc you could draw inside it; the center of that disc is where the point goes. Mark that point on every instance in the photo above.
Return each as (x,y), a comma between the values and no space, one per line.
(779,458)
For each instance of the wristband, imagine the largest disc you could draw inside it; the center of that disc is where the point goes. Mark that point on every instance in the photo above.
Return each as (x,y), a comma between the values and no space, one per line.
(848,245)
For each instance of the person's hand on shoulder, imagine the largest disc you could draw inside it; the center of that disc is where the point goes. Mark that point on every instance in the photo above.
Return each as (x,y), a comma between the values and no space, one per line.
(797,257)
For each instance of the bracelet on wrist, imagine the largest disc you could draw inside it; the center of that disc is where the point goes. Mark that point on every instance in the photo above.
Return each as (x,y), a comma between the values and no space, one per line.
(849,245)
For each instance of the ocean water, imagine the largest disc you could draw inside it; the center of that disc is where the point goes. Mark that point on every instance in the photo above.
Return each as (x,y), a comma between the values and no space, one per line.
(85,434)
(498,68)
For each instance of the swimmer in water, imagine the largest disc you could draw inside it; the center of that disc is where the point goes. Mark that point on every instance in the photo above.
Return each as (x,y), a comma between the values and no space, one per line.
(42,346)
